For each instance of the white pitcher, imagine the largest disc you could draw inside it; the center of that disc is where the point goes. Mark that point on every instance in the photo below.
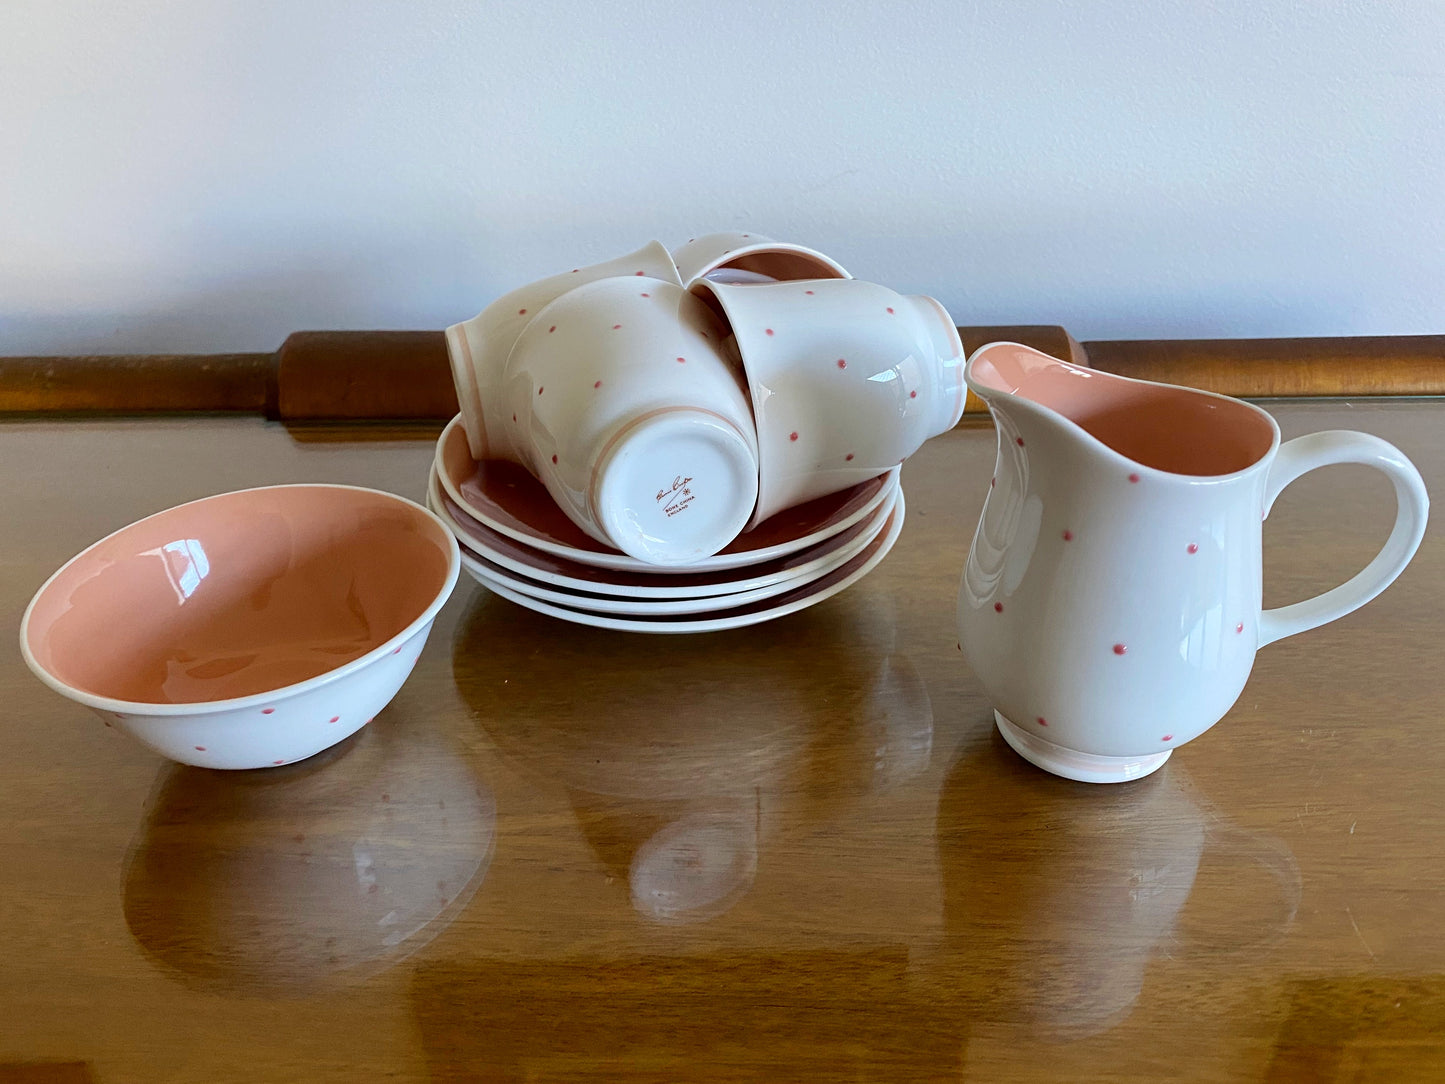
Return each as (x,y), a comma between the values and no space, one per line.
(1111,604)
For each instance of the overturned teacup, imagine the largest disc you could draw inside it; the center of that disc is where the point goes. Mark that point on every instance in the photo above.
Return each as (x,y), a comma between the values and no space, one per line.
(478,348)
(620,399)
(847,378)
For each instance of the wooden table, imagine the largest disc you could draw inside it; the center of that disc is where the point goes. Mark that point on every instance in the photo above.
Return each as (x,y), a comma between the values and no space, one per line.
(787,853)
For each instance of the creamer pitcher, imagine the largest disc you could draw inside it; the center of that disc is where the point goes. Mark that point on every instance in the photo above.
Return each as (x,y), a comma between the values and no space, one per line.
(1111,604)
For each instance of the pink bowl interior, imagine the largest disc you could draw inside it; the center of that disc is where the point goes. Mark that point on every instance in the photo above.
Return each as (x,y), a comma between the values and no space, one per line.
(238,594)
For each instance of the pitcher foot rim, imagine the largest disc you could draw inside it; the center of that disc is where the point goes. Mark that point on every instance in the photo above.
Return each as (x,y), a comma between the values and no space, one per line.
(1083,767)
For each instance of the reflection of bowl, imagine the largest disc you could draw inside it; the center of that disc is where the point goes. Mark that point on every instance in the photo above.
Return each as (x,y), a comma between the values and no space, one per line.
(247,629)
(281,878)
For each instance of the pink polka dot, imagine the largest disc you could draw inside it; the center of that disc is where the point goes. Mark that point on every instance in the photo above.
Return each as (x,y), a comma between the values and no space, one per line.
(1239,627)
(551,329)
(998,607)
(597,384)
(1193,547)
(1019,441)
(1119,649)
(767,331)
(268,711)
(1042,721)
(554,459)
(278,762)
(848,458)
(890,310)
(575,270)
(1133,477)
(514,417)
(335,719)
(809,292)
(1168,737)
(639,274)
(541,390)
(646,295)
(793,435)
(682,361)
(397,651)
(992,482)
(369,720)
(616,326)
(1068,536)
(200,748)
(521,312)
(842,364)
(913,395)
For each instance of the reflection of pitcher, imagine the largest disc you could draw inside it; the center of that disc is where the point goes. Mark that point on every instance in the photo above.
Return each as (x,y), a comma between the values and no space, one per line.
(1054,906)
(1111,603)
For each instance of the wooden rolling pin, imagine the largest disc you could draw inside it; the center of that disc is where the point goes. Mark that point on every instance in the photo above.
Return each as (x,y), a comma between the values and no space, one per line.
(358,375)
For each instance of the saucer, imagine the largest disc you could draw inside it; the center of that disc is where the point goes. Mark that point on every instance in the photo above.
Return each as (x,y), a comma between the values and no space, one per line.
(494,576)
(798,598)
(505,497)
(521,559)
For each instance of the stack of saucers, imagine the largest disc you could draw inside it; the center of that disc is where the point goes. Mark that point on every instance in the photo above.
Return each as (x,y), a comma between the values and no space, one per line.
(517,542)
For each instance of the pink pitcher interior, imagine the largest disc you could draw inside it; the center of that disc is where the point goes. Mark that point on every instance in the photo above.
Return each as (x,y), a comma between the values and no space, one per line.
(1168,428)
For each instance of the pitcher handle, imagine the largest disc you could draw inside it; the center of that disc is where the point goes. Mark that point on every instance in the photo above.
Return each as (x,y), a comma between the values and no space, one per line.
(1412,508)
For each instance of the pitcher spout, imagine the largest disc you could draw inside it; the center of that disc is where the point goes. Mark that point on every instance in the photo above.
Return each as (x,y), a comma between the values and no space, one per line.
(1155,427)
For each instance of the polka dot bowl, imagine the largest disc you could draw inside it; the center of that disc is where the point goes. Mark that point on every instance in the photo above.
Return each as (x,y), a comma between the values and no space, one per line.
(249,629)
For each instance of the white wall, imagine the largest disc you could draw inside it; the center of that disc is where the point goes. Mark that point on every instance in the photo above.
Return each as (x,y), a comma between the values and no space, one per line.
(213,174)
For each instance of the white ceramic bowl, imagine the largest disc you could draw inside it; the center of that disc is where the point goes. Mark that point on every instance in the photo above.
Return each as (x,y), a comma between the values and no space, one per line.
(248,629)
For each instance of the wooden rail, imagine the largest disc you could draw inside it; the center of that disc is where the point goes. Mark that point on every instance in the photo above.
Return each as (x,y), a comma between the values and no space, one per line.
(356,375)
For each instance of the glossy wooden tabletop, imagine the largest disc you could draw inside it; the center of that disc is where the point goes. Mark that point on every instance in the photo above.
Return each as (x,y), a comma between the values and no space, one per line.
(794,852)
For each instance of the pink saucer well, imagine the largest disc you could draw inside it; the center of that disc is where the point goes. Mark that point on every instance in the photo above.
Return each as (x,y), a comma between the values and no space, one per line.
(504,497)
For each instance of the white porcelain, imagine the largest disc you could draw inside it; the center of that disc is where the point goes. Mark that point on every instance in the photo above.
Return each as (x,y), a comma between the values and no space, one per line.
(478,348)
(1111,601)
(752,255)
(248,629)
(848,379)
(798,599)
(539,568)
(621,402)
(504,498)
(492,575)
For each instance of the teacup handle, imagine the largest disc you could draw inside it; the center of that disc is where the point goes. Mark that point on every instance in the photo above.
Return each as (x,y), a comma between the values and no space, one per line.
(1412,508)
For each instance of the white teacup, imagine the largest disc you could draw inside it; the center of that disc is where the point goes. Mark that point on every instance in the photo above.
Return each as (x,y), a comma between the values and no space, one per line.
(848,379)
(620,399)
(478,347)
(752,254)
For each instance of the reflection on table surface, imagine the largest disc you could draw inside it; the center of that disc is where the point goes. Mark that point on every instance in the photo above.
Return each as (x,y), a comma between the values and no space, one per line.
(797,851)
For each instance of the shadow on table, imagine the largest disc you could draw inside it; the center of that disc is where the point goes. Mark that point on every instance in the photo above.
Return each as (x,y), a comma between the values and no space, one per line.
(683,755)
(340,865)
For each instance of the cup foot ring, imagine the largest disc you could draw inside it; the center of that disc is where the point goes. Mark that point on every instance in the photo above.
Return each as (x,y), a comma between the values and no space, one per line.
(1083,767)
